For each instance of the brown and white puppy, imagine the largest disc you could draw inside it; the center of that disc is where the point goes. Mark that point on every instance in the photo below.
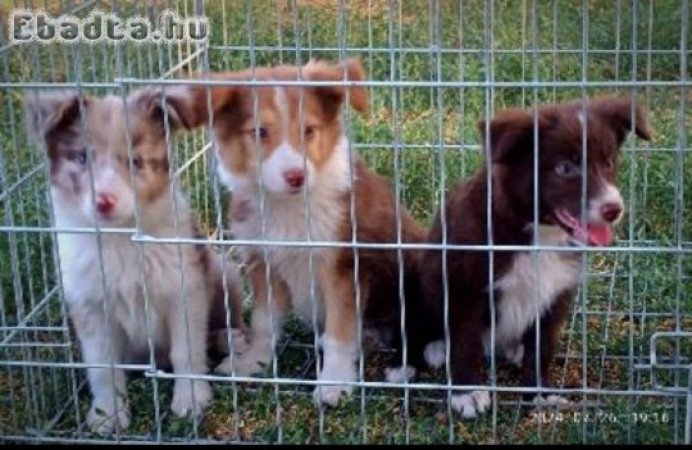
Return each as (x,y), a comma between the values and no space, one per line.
(292,177)
(523,291)
(107,278)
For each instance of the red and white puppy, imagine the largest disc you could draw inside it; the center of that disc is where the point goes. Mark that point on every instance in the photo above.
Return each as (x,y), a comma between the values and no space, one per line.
(292,177)
(107,278)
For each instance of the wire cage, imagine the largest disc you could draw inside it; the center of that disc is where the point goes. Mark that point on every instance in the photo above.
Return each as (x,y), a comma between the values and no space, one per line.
(434,69)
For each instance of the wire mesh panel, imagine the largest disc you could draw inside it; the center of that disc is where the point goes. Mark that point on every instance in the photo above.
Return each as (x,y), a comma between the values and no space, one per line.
(433,70)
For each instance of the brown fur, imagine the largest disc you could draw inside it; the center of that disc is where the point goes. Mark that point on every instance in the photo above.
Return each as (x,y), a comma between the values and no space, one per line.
(316,133)
(510,153)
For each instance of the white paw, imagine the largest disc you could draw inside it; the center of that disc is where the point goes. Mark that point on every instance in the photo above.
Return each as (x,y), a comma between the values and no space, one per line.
(472,404)
(399,374)
(218,341)
(183,404)
(104,417)
(551,400)
(239,341)
(435,354)
(252,361)
(339,365)
(331,395)
(515,354)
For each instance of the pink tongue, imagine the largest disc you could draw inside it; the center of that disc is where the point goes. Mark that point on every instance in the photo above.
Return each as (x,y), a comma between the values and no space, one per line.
(599,235)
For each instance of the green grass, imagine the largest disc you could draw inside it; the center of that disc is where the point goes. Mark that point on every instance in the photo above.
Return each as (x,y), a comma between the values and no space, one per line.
(627,297)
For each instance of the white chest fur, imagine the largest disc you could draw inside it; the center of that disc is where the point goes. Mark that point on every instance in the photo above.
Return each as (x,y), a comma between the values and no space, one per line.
(315,217)
(108,277)
(532,284)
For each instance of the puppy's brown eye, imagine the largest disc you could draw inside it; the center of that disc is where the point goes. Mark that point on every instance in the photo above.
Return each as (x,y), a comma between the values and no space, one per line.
(610,164)
(310,132)
(260,133)
(137,162)
(567,169)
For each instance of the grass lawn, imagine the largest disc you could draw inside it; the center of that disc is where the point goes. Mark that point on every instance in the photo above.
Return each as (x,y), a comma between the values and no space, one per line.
(426,139)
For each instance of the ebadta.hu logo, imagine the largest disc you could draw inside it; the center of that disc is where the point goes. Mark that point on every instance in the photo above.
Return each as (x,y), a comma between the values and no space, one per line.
(32,25)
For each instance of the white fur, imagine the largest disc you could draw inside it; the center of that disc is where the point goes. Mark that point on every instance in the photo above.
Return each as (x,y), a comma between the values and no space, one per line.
(472,404)
(286,220)
(608,194)
(107,181)
(112,324)
(283,159)
(399,374)
(434,354)
(528,289)
(515,354)
(258,355)
(581,118)
(552,400)
(338,365)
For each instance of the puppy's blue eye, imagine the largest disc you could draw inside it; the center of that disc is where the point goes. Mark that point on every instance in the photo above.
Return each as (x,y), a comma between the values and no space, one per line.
(567,169)
(79,157)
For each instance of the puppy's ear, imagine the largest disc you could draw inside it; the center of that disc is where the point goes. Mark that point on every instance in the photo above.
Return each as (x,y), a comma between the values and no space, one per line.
(177,104)
(50,113)
(186,106)
(617,112)
(333,96)
(511,134)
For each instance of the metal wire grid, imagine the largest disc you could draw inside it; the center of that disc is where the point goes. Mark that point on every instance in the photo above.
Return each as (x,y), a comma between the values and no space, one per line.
(45,387)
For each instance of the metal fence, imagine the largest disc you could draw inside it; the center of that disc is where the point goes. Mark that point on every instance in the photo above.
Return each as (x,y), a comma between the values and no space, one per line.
(434,69)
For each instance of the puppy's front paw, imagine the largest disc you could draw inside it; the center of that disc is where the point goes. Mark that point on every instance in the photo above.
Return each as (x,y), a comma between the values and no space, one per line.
(183,404)
(338,369)
(399,374)
(331,395)
(552,401)
(218,341)
(252,361)
(514,354)
(105,416)
(472,404)
(240,341)
(435,354)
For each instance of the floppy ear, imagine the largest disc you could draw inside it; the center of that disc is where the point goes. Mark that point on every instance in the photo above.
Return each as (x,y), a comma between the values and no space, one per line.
(49,113)
(511,134)
(186,106)
(176,103)
(617,112)
(333,96)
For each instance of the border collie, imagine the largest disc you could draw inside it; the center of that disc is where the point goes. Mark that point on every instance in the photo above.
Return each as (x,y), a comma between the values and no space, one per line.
(524,287)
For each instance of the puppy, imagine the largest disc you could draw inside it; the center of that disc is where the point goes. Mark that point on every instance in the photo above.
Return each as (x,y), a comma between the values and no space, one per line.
(106,276)
(293,178)
(522,291)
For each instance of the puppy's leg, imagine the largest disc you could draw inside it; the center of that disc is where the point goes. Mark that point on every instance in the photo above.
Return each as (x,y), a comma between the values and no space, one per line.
(423,348)
(550,327)
(267,321)
(226,299)
(467,362)
(187,319)
(109,408)
(339,344)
